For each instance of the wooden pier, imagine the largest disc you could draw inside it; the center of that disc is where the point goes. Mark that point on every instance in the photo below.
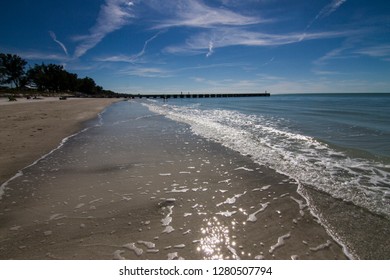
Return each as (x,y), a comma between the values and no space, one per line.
(198,95)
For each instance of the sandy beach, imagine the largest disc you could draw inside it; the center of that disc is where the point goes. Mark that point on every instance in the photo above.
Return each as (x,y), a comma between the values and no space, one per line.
(140,186)
(32,128)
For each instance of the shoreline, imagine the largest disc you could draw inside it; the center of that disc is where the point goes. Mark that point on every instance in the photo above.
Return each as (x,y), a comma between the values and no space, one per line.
(33,128)
(170,194)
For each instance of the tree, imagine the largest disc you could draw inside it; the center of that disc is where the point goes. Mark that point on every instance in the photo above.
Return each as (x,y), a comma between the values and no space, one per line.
(52,77)
(37,76)
(87,85)
(12,69)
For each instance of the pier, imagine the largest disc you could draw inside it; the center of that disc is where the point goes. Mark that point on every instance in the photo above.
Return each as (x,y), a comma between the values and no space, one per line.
(198,95)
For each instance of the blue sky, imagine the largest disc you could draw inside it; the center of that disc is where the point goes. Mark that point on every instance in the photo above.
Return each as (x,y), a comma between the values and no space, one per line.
(140,46)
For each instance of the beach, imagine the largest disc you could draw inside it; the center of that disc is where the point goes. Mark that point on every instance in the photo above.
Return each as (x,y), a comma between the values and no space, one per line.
(136,185)
(32,128)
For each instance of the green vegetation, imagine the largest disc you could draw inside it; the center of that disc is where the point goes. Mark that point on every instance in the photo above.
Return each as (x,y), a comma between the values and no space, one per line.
(46,79)
(12,70)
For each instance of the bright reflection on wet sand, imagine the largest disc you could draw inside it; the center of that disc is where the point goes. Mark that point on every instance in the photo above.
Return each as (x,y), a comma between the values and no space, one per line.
(216,241)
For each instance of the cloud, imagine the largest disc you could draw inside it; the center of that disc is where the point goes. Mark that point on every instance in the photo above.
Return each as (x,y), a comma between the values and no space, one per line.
(129,58)
(142,52)
(36,55)
(330,8)
(147,72)
(211,50)
(327,11)
(380,51)
(197,14)
(113,15)
(331,55)
(268,62)
(54,37)
(225,37)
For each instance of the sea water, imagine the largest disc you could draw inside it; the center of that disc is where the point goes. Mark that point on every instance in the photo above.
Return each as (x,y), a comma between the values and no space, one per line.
(335,143)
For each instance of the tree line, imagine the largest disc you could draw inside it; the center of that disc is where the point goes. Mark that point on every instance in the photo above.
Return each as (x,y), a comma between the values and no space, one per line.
(45,78)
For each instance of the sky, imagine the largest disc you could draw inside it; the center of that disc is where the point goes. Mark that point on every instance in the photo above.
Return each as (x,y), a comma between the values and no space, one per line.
(173,46)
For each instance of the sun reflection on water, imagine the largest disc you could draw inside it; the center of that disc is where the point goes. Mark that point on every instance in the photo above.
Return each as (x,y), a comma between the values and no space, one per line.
(215,240)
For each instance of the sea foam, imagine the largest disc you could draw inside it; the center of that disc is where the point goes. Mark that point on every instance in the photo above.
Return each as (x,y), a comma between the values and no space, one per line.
(269,142)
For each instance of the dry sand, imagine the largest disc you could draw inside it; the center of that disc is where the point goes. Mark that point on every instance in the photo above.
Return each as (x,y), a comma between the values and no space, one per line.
(32,128)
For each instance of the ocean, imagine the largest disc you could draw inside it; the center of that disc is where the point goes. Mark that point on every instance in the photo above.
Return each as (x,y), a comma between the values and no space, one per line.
(336,143)
(335,146)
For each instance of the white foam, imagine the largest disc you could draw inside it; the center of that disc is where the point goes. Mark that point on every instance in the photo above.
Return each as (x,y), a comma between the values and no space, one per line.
(224,181)
(280,242)
(301,204)
(252,217)
(167,219)
(232,200)
(118,255)
(244,168)
(226,213)
(173,256)
(79,206)
(234,253)
(320,247)
(265,187)
(179,190)
(168,229)
(269,142)
(149,245)
(57,216)
(152,251)
(135,249)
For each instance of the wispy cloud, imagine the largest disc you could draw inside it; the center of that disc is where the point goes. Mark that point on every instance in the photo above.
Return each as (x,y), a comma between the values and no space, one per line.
(197,14)
(113,15)
(129,58)
(327,11)
(54,37)
(142,52)
(268,62)
(211,49)
(37,55)
(147,72)
(224,37)
(381,51)
(330,8)
(226,85)
(331,55)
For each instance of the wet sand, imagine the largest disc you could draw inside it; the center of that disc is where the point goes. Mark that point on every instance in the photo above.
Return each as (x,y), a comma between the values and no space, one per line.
(32,128)
(141,186)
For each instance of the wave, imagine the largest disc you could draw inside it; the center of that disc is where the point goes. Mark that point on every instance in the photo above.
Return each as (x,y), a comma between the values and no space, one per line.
(311,162)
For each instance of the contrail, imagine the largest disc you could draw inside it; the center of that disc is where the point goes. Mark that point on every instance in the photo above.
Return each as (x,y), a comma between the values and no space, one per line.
(325,12)
(142,52)
(329,9)
(146,44)
(211,49)
(54,37)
